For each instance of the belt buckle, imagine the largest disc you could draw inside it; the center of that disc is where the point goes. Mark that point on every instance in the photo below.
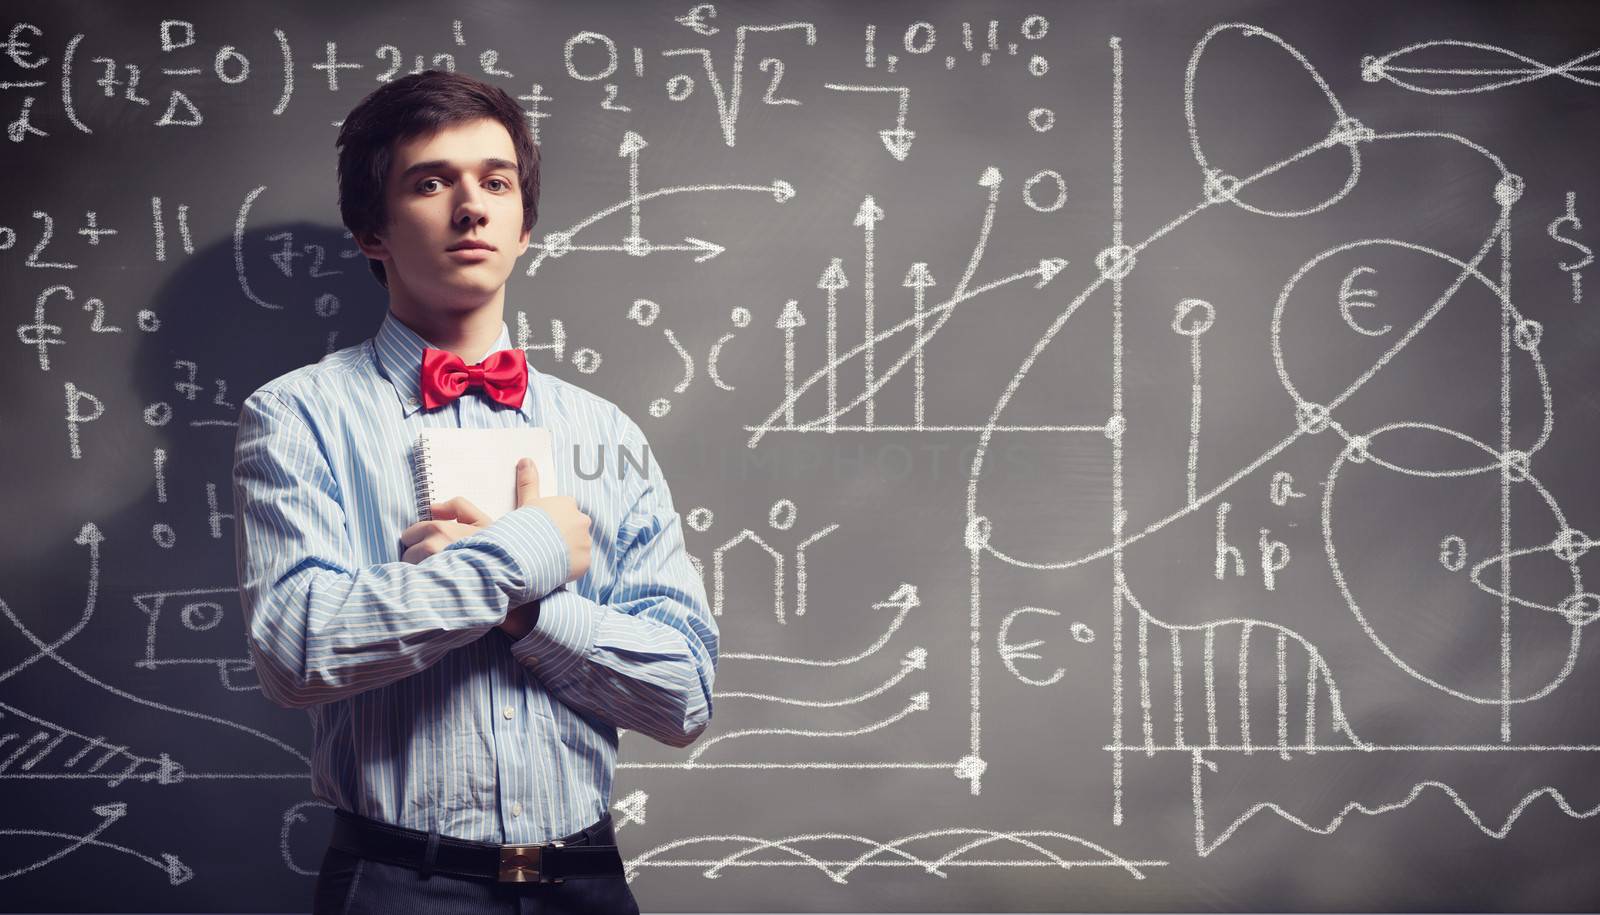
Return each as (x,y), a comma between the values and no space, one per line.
(521,864)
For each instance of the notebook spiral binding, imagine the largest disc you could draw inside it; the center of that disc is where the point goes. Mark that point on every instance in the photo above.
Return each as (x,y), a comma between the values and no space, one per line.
(424,475)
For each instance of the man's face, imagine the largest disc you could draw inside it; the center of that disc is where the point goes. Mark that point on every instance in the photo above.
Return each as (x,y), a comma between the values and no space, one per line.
(455,186)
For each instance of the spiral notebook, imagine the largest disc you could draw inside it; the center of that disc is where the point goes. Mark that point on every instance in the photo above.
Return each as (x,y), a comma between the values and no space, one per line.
(481,466)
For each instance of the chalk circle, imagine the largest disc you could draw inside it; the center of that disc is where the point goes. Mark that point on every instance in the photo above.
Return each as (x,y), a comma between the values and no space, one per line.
(680,87)
(557,244)
(1288,156)
(163,535)
(1035,27)
(1116,426)
(1310,417)
(1359,449)
(148,322)
(636,246)
(1061,191)
(201,615)
(699,519)
(660,407)
(1516,464)
(241,63)
(1581,609)
(1401,612)
(970,767)
(1527,334)
(158,414)
(586,360)
(1350,131)
(590,38)
(1219,187)
(781,516)
(913,44)
(644,312)
(327,305)
(1082,633)
(1115,262)
(740,316)
(1038,66)
(1508,190)
(1571,545)
(1188,307)
(1041,119)
(1453,553)
(977,532)
(1371,69)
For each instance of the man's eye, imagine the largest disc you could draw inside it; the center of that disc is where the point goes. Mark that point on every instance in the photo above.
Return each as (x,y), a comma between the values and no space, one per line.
(423,185)
(504,184)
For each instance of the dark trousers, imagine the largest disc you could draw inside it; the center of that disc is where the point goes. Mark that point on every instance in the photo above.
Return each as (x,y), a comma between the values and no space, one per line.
(351,885)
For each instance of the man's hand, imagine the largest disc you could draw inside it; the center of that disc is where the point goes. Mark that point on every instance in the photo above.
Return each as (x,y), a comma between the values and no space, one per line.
(458,517)
(452,520)
(521,620)
(563,510)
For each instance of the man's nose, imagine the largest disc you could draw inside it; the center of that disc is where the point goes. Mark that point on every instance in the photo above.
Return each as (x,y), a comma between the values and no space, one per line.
(471,210)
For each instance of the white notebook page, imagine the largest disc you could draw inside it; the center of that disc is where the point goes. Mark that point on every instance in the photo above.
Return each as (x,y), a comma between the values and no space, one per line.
(481,465)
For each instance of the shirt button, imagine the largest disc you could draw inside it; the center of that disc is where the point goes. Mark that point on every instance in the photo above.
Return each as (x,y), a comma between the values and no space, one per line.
(509,712)
(516,810)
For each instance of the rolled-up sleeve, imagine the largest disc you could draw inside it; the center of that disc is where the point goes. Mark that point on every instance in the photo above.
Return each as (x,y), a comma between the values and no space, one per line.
(322,626)
(645,658)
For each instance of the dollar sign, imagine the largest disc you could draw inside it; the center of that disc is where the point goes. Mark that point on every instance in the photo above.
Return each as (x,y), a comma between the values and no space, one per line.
(1571,218)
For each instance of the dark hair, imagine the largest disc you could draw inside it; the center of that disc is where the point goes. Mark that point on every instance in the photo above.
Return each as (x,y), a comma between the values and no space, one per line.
(412,106)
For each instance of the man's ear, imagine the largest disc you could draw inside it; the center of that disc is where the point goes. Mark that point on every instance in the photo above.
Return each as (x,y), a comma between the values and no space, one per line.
(372,246)
(522,244)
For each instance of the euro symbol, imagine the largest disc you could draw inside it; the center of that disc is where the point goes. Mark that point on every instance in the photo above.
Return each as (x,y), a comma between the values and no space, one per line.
(1346,303)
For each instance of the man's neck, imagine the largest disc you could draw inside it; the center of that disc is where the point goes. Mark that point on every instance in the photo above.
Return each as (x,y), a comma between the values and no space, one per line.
(468,334)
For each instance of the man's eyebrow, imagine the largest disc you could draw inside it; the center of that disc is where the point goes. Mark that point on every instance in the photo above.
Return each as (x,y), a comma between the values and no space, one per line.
(489,165)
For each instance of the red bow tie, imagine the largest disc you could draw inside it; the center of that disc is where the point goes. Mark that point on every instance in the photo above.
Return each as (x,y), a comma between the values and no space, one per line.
(503,376)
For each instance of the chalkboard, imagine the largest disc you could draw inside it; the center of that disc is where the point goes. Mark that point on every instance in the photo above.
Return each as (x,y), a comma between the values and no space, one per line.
(1140,454)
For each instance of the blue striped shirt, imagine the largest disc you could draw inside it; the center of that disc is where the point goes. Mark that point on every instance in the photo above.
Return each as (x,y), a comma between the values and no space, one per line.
(423,713)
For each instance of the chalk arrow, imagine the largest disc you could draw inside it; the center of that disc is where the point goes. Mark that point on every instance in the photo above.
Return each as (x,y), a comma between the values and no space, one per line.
(904,598)
(833,278)
(869,212)
(1048,268)
(791,317)
(897,142)
(710,249)
(918,277)
(631,144)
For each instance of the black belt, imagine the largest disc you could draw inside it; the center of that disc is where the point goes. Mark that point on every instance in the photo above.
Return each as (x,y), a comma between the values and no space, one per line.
(578,855)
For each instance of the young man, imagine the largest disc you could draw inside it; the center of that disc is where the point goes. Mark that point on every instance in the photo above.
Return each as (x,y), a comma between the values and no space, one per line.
(465,679)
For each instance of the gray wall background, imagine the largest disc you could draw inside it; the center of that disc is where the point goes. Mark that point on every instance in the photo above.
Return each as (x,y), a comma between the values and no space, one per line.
(1334,302)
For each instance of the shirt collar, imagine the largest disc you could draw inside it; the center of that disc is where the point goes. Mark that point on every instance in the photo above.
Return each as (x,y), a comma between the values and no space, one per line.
(399,353)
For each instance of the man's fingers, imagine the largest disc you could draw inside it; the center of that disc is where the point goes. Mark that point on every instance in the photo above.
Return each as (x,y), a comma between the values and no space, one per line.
(460,509)
(472,514)
(416,532)
(527,482)
(422,530)
(423,548)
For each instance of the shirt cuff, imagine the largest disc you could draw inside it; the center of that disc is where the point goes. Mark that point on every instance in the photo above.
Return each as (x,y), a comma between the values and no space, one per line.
(562,637)
(529,538)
